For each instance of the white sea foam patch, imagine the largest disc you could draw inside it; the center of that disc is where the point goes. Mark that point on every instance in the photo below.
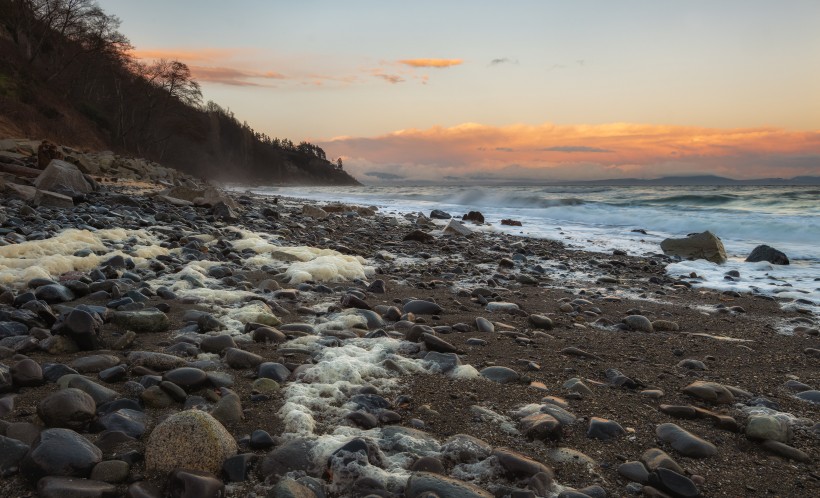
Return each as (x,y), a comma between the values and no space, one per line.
(333,379)
(329,268)
(257,242)
(795,281)
(54,256)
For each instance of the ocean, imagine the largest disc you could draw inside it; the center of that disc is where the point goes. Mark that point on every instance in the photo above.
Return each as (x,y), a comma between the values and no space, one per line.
(606,218)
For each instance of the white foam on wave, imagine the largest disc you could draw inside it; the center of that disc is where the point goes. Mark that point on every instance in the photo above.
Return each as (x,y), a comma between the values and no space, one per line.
(49,258)
(795,281)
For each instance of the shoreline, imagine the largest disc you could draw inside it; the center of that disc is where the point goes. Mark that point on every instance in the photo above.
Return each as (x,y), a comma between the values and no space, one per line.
(566,322)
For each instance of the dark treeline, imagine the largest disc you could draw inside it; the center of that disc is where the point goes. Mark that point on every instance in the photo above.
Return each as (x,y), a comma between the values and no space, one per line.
(66,74)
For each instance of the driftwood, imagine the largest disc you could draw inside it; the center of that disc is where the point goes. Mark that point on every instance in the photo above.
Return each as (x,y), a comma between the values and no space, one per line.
(19,170)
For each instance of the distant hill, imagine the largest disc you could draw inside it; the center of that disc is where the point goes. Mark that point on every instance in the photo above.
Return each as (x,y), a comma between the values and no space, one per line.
(701,180)
(66,75)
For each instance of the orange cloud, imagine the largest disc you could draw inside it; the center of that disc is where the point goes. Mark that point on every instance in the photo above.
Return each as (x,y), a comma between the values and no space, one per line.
(188,55)
(438,63)
(560,152)
(233,76)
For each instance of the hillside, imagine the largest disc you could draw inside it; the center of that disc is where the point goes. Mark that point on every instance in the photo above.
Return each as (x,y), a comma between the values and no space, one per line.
(66,75)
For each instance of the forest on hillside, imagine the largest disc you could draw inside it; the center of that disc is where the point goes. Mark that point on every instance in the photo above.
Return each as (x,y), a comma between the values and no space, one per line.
(66,74)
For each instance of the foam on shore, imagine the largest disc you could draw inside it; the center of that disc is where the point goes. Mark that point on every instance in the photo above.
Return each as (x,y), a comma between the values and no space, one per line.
(52,257)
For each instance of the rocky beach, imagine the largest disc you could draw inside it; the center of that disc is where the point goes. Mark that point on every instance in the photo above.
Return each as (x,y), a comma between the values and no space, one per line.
(162,337)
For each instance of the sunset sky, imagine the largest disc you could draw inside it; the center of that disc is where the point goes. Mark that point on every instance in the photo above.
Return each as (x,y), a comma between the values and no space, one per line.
(530,90)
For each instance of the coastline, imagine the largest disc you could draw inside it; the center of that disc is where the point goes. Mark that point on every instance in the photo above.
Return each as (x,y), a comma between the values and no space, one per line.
(585,296)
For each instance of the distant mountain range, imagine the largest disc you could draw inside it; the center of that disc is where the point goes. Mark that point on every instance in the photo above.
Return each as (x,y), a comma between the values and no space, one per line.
(696,180)
(700,180)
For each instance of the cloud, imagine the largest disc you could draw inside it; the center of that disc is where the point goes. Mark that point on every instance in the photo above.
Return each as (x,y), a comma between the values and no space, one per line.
(188,55)
(503,60)
(578,152)
(233,76)
(390,78)
(437,63)
(574,148)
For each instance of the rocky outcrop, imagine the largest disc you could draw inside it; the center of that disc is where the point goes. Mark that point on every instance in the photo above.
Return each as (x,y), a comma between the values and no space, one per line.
(705,245)
(767,253)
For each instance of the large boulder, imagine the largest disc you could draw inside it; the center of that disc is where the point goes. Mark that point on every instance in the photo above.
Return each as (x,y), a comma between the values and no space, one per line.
(705,245)
(191,439)
(767,253)
(61,175)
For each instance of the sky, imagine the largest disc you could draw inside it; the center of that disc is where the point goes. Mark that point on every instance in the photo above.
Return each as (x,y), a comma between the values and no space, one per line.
(513,90)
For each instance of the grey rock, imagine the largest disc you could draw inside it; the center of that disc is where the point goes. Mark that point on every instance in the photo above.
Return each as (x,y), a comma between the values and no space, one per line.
(293,455)
(100,394)
(67,408)
(484,325)
(767,253)
(54,294)
(159,362)
(502,375)
(463,448)
(60,174)
(273,370)
(425,483)
(703,245)
(603,429)
(127,421)
(60,452)
(768,427)
(12,452)
(684,442)
(190,483)
(638,322)
(674,483)
(541,322)
(634,471)
(445,362)
(421,307)
(111,471)
(142,321)
(70,487)
(240,359)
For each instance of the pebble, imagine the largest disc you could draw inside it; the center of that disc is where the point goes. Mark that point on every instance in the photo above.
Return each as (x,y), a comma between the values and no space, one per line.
(541,322)
(541,426)
(684,442)
(191,483)
(189,379)
(66,487)
(639,323)
(111,471)
(240,359)
(484,325)
(67,408)
(12,452)
(143,321)
(634,471)
(768,427)
(711,392)
(502,375)
(603,429)
(655,458)
(420,307)
(673,483)
(428,484)
(60,452)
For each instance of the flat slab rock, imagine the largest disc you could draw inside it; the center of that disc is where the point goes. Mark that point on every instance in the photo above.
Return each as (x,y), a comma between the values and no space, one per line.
(684,442)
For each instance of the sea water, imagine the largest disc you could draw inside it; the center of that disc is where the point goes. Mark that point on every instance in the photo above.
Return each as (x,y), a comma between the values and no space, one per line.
(608,218)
